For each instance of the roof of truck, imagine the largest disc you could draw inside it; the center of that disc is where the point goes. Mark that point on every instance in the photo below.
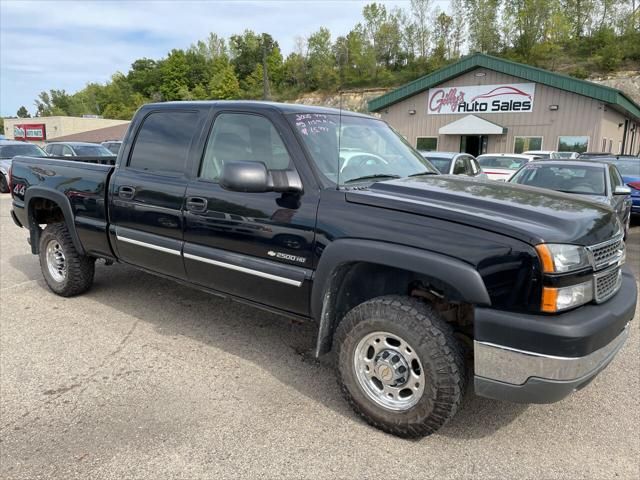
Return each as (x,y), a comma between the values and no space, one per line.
(283,107)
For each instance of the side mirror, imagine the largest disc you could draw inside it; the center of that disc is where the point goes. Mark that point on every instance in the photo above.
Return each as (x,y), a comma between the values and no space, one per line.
(622,190)
(253,177)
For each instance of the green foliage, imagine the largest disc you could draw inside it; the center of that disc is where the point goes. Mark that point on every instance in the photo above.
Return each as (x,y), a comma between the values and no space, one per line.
(388,47)
(23,113)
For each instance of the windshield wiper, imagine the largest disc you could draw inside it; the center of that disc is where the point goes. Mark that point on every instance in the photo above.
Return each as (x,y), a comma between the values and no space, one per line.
(426,172)
(371,177)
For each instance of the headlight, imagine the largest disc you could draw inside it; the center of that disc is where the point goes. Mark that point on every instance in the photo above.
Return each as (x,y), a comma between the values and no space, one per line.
(558,299)
(559,258)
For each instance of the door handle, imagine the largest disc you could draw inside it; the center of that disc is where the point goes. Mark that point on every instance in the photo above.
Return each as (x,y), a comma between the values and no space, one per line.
(196,204)
(126,192)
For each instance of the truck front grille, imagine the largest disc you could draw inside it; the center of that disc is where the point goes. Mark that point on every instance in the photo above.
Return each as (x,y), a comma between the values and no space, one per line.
(607,284)
(607,253)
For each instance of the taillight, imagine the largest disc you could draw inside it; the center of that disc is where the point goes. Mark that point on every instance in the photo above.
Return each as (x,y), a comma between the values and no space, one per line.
(634,185)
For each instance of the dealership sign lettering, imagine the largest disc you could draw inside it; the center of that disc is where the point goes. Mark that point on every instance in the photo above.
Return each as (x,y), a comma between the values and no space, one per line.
(29,132)
(516,97)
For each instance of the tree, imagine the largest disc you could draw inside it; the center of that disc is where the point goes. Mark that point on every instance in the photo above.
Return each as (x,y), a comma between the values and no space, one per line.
(224,83)
(321,60)
(23,113)
(529,19)
(420,11)
(483,25)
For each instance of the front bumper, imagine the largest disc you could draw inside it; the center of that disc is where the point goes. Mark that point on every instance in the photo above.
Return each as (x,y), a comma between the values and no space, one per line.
(543,358)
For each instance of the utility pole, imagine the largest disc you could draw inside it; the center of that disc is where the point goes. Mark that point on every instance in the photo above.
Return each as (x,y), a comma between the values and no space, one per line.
(266,92)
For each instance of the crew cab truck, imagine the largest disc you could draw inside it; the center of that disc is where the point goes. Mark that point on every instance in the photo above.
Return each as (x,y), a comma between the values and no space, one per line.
(416,280)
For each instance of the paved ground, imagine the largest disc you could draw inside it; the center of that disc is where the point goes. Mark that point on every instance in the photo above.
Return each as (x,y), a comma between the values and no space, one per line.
(143,378)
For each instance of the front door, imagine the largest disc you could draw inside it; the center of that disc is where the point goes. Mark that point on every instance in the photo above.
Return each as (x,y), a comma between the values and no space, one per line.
(147,192)
(474,144)
(252,245)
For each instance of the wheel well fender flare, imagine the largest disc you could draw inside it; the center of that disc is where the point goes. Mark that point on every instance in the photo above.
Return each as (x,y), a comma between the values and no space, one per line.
(458,276)
(61,201)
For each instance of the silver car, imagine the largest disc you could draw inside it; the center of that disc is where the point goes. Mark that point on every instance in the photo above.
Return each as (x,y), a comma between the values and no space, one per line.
(453,163)
(10,149)
(599,181)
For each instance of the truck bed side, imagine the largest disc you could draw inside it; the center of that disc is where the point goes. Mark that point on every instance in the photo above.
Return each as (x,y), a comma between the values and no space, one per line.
(73,191)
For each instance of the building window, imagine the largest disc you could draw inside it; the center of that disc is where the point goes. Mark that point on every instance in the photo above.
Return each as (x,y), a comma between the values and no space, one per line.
(524,144)
(604,145)
(427,144)
(572,143)
(610,145)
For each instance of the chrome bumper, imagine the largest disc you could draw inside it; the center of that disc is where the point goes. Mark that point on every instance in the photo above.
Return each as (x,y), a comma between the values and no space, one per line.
(497,363)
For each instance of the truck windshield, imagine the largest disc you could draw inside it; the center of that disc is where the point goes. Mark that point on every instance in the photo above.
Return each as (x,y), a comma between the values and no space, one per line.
(10,151)
(369,149)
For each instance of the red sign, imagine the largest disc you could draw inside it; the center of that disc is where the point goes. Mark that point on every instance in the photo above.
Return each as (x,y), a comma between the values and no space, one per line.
(30,131)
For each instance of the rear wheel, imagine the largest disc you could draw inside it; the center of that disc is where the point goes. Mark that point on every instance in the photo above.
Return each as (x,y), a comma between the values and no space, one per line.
(400,366)
(66,272)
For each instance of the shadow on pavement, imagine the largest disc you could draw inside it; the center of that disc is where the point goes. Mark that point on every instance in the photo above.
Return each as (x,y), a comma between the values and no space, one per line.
(282,347)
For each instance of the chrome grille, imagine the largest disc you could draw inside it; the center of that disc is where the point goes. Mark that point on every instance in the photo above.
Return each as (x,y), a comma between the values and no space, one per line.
(607,253)
(607,284)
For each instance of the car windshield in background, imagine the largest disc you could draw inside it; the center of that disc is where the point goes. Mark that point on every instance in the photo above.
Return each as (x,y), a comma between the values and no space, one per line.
(113,147)
(10,151)
(628,168)
(507,163)
(369,149)
(92,151)
(443,164)
(585,180)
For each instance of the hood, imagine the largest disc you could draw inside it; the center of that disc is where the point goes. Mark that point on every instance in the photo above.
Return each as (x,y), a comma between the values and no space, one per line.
(531,214)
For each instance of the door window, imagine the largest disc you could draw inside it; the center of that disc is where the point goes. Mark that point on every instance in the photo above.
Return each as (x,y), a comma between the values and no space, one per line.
(163,142)
(243,137)
(615,178)
(66,151)
(459,167)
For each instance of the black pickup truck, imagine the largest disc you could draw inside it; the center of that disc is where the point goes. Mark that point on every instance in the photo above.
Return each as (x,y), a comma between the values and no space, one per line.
(416,280)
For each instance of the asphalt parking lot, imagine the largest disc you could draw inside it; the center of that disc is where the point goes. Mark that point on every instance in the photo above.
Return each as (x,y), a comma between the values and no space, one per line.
(144,378)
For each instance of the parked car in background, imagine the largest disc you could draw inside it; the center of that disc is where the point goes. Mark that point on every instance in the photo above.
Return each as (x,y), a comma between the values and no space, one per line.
(112,145)
(551,154)
(501,166)
(629,168)
(602,155)
(10,149)
(453,163)
(599,181)
(77,149)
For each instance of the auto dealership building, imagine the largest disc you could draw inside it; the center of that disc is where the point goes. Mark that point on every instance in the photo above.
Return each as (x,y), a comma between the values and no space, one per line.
(484,104)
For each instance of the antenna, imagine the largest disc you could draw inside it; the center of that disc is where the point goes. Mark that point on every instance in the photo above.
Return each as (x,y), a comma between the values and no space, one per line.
(339,138)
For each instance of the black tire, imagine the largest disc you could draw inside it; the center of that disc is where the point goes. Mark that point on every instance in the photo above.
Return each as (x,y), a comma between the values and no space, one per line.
(441,356)
(4,186)
(78,271)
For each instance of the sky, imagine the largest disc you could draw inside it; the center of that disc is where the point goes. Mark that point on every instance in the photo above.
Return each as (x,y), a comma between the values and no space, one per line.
(67,44)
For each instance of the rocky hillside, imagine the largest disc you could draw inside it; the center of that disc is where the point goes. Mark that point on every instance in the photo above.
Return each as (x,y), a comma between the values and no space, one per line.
(356,100)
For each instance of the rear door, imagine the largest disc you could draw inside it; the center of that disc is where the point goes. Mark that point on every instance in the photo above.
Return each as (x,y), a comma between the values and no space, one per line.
(147,189)
(252,245)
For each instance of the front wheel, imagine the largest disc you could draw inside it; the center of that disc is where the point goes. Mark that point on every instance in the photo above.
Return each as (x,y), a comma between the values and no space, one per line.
(400,366)
(66,272)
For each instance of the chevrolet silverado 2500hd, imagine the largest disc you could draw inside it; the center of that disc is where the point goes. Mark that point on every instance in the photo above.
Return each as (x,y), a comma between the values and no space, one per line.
(415,279)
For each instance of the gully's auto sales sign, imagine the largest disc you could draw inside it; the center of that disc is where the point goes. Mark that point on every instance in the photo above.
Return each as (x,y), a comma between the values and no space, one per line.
(516,97)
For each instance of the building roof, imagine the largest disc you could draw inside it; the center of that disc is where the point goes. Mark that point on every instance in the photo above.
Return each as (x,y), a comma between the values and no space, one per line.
(115,132)
(602,93)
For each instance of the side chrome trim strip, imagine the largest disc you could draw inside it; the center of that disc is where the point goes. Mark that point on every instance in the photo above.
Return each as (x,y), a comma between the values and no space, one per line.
(510,365)
(249,271)
(148,245)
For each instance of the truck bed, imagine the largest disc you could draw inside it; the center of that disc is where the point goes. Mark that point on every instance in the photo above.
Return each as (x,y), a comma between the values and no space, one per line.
(79,183)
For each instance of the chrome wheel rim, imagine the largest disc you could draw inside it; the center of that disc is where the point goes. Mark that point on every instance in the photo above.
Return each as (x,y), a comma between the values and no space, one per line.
(389,371)
(56,262)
